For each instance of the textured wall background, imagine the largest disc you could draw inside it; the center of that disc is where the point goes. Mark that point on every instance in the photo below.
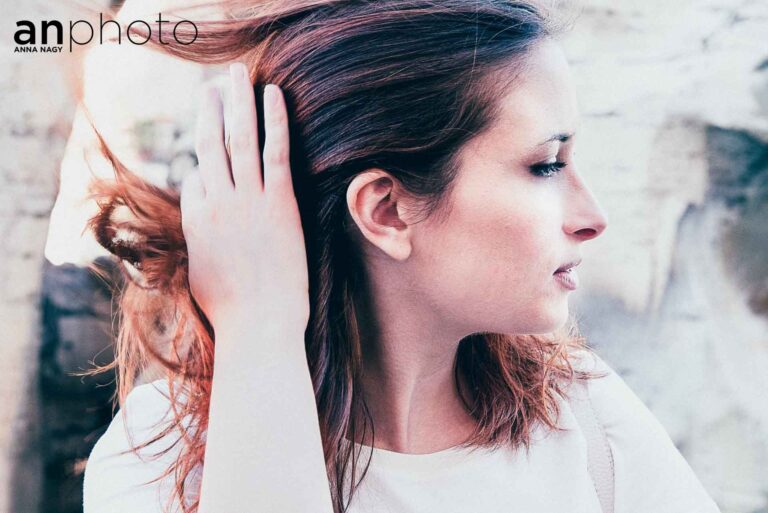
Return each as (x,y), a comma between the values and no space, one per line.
(674,143)
(36,112)
(674,98)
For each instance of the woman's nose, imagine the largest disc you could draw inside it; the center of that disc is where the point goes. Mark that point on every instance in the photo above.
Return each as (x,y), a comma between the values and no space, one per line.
(585,218)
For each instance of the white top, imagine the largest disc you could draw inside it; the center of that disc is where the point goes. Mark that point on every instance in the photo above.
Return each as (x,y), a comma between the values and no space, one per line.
(651,476)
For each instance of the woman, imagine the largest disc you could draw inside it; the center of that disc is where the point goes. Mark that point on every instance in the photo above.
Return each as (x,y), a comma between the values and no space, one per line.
(400,261)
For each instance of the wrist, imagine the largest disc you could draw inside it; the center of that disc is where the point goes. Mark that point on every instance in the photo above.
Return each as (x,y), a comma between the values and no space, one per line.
(277,312)
(247,351)
(247,331)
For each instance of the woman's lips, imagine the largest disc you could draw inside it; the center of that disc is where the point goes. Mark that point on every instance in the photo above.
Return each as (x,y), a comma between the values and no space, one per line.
(568,278)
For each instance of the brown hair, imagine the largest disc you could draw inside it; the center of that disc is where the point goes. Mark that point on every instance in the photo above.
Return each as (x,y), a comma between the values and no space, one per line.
(399,85)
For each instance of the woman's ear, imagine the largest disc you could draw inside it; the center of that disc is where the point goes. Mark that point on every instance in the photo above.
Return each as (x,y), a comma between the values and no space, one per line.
(377,204)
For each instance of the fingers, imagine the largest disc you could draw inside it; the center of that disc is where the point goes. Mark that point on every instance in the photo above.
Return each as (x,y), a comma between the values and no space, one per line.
(243,129)
(209,145)
(277,168)
(241,170)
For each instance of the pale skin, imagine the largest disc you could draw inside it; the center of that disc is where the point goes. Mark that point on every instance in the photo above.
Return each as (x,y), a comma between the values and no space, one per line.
(489,266)
(263,445)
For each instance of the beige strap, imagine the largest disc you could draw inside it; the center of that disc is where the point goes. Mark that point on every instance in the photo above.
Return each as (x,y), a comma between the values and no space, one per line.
(599,455)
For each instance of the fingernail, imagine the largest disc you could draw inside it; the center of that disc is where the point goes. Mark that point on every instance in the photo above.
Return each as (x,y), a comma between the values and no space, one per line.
(271,93)
(234,70)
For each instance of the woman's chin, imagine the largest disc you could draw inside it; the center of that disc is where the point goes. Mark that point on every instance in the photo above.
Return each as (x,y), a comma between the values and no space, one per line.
(549,320)
(542,324)
(546,317)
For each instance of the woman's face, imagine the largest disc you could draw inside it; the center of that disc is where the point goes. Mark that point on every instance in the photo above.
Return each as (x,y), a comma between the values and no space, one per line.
(514,219)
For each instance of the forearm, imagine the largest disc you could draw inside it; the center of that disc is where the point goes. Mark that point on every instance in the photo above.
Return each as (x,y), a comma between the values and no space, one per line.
(263,449)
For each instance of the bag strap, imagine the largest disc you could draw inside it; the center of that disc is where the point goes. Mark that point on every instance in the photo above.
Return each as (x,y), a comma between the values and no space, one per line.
(599,454)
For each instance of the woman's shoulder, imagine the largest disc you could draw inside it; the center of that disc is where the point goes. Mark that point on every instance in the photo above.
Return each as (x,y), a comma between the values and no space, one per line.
(650,472)
(618,408)
(118,473)
(147,409)
(621,414)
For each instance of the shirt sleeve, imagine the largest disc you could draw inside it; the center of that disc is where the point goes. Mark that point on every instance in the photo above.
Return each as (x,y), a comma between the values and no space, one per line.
(651,475)
(117,483)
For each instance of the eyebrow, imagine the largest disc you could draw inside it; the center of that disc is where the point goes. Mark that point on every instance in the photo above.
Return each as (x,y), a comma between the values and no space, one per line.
(562,137)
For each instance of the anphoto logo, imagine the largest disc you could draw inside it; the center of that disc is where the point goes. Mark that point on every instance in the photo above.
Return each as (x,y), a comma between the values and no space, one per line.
(30,38)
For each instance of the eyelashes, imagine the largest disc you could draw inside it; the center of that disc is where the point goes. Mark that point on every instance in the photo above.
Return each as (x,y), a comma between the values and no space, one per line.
(548,169)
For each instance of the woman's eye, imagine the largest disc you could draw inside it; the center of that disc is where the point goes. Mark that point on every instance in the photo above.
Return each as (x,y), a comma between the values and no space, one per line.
(548,169)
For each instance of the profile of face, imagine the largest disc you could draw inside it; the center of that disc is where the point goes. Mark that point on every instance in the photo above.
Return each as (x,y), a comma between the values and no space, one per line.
(516,215)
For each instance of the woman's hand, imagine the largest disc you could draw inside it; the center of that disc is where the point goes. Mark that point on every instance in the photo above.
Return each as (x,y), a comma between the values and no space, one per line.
(244,239)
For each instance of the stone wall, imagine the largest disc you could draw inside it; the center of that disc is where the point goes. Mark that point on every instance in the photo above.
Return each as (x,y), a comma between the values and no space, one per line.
(36,110)
(674,99)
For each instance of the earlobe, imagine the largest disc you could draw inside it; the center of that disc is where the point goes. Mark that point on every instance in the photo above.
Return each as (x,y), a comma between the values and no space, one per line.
(375,203)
